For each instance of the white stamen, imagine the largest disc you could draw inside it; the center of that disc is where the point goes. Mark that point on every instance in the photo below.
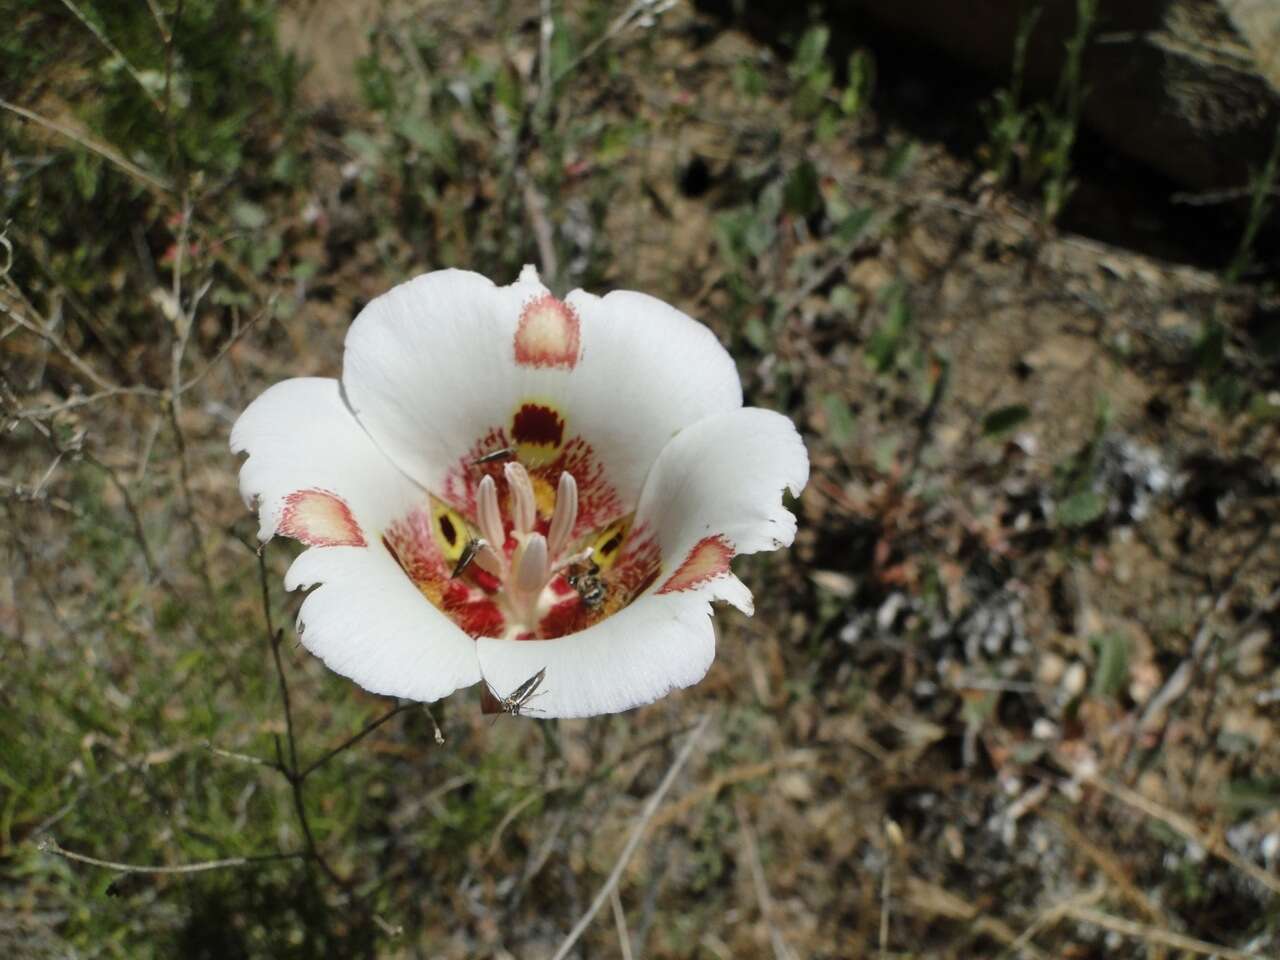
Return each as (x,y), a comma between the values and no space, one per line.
(489,560)
(532,569)
(488,515)
(565,516)
(523,508)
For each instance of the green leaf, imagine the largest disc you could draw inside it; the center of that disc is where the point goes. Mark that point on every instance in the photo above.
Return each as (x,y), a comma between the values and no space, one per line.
(1004,419)
(748,81)
(1081,509)
(1112,673)
(840,419)
(900,160)
(809,51)
(1251,796)
(801,195)
(508,92)
(883,346)
(248,215)
(852,226)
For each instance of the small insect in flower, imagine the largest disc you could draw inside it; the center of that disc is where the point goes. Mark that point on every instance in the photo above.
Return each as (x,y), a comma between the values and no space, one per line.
(585,579)
(495,456)
(514,702)
(474,546)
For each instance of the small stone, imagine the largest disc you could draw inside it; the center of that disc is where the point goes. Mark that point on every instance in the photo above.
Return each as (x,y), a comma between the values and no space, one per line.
(1074,679)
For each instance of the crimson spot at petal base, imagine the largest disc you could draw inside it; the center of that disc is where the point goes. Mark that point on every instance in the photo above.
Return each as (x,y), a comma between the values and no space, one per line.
(537,424)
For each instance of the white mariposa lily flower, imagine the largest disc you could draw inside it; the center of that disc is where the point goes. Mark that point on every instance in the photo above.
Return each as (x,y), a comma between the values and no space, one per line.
(504,483)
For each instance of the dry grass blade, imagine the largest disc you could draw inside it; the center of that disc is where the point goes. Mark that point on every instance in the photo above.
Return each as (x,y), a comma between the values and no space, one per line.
(1182,825)
(781,951)
(1154,935)
(620,921)
(637,834)
(110,154)
(49,845)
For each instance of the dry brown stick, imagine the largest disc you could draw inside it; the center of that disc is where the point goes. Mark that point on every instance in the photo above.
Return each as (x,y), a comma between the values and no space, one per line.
(637,834)
(1184,826)
(1155,935)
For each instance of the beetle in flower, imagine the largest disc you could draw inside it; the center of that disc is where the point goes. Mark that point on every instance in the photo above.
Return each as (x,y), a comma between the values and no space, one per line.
(505,484)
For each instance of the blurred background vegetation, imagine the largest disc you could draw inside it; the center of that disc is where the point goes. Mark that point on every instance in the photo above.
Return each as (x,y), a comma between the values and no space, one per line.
(1014,692)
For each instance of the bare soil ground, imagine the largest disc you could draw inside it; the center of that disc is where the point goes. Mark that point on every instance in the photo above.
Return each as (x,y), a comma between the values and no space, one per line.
(1013,693)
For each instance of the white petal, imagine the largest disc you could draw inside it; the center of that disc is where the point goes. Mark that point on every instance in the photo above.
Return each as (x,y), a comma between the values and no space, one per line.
(647,372)
(642,653)
(720,482)
(366,620)
(431,369)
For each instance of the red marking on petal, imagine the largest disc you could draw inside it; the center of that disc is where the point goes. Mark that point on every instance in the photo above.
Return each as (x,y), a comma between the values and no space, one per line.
(475,614)
(535,423)
(548,334)
(567,616)
(640,562)
(416,549)
(708,559)
(319,519)
(598,502)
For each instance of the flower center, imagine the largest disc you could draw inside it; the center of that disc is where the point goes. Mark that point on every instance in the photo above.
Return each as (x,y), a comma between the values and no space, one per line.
(523,561)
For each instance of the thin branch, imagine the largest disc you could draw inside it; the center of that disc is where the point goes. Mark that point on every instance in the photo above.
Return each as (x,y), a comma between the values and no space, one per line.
(131,508)
(84,400)
(47,844)
(355,738)
(290,767)
(41,330)
(231,341)
(637,834)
